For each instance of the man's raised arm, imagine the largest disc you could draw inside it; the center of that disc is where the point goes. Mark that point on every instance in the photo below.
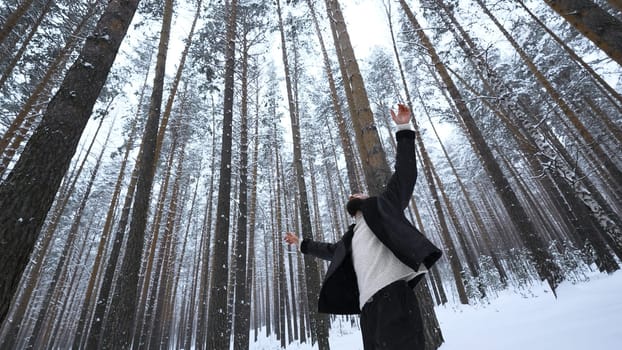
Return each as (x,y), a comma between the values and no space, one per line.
(402,183)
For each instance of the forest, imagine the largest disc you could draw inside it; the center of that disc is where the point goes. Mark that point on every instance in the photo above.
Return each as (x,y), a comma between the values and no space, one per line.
(154,153)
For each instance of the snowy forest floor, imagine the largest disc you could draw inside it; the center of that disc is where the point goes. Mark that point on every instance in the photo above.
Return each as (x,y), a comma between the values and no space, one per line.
(585,315)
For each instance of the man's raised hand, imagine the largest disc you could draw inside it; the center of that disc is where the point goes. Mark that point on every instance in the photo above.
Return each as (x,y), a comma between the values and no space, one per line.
(402,116)
(291,238)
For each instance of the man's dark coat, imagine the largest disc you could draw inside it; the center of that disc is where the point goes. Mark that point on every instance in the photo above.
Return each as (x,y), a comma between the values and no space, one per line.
(384,215)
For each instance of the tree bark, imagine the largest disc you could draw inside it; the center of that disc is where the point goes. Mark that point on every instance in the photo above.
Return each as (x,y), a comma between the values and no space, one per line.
(242,295)
(251,280)
(206,236)
(339,118)
(319,322)
(146,298)
(104,295)
(87,308)
(28,192)
(50,300)
(617,4)
(31,280)
(603,29)
(279,256)
(375,166)
(120,327)
(217,326)
(155,330)
(43,85)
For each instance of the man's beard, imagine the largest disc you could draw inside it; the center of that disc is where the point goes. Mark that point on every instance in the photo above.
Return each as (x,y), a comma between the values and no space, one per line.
(354,205)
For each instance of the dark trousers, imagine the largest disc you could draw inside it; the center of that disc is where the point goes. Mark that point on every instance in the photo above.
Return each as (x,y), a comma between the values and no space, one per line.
(391,320)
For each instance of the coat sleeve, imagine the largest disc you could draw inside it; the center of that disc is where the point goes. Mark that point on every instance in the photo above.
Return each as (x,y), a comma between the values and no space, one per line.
(318,249)
(402,183)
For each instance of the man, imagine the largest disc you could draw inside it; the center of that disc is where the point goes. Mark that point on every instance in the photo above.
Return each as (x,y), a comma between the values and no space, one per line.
(380,258)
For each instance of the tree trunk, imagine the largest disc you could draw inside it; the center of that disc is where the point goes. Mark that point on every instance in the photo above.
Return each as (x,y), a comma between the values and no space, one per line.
(28,192)
(43,85)
(583,225)
(63,327)
(206,230)
(192,310)
(530,140)
(467,249)
(614,129)
(13,19)
(617,4)
(87,306)
(67,190)
(428,170)
(242,295)
(603,29)
(168,323)
(156,336)
(162,130)
(104,294)
(217,326)
(178,75)
(339,118)
(375,166)
(274,238)
(250,271)
(120,327)
(279,276)
(48,304)
(319,322)
(146,298)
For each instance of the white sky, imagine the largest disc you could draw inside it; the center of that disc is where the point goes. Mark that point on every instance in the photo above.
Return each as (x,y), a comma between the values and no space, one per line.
(367,25)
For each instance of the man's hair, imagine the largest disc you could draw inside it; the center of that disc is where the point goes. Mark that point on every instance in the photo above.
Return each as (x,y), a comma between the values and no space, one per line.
(354,205)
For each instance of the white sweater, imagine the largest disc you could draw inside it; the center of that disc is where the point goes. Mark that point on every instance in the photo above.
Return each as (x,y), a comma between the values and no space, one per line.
(374,264)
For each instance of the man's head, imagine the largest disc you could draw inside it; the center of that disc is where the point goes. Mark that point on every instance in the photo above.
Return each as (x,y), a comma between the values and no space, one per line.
(355,201)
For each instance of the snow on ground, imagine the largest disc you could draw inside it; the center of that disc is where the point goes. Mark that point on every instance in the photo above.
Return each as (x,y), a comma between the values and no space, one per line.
(585,315)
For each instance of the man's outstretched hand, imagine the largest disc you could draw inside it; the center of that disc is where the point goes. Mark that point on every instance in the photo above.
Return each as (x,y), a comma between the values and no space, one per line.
(291,238)
(402,116)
